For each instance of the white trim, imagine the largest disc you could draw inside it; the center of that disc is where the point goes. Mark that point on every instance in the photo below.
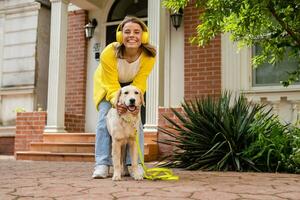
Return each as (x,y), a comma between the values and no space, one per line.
(167,61)
(28,13)
(118,22)
(103,25)
(154,14)
(60,1)
(292,88)
(17,90)
(2,24)
(19,44)
(273,97)
(21,7)
(7,131)
(72,7)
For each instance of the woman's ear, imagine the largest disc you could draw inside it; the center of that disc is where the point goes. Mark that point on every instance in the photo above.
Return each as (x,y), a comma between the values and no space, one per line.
(117,98)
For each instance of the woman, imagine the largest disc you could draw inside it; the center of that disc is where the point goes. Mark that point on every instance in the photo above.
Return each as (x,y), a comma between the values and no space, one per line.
(127,61)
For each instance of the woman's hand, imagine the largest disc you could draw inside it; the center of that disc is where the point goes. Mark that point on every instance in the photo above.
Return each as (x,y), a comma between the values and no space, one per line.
(121,108)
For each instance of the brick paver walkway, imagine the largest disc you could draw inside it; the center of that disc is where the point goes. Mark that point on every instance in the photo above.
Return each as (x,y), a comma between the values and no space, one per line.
(24,180)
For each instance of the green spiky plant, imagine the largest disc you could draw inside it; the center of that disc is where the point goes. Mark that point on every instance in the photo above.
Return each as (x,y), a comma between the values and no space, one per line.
(212,134)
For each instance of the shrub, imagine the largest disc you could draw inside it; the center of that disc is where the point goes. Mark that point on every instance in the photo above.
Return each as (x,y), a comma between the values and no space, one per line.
(212,134)
(293,162)
(271,144)
(231,134)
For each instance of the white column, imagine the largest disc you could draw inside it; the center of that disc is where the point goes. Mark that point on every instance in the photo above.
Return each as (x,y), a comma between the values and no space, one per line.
(154,11)
(2,24)
(57,67)
(2,21)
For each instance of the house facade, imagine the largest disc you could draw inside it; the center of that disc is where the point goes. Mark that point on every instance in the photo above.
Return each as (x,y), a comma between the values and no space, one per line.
(47,67)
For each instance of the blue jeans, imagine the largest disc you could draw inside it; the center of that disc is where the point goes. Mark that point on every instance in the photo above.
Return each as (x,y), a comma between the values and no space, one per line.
(103,139)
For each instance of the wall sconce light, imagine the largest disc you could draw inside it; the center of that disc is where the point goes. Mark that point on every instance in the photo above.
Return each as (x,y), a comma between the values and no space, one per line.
(176,18)
(90,28)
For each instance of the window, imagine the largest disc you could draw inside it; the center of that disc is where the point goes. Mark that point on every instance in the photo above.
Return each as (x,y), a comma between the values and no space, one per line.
(271,75)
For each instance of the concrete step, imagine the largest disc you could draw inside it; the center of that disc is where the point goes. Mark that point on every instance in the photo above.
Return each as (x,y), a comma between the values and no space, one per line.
(51,152)
(79,157)
(56,147)
(69,137)
(76,147)
(49,156)
(85,137)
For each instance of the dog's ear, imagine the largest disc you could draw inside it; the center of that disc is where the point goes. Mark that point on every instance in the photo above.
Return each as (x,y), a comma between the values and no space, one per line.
(117,98)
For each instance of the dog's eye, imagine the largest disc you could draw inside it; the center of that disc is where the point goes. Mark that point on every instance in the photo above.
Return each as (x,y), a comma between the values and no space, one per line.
(136,92)
(126,92)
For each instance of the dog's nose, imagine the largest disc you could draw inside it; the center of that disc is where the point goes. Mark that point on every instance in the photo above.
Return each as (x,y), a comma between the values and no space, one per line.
(131,101)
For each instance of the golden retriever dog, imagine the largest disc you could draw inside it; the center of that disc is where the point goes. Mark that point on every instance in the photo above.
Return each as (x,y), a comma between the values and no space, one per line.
(123,129)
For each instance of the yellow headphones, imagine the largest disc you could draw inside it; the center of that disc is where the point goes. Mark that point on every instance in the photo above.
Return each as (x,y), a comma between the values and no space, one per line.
(145,34)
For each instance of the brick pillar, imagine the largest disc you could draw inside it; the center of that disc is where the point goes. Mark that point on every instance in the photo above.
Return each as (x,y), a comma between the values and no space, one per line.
(7,145)
(162,148)
(76,72)
(29,128)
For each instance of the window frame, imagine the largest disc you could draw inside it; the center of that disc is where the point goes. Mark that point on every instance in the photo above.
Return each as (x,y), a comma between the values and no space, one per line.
(254,71)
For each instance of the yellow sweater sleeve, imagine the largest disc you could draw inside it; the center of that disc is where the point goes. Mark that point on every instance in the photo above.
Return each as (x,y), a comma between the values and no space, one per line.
(109,75)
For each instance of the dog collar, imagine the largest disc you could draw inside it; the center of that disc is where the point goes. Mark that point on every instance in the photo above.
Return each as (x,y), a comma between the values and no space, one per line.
(128,120)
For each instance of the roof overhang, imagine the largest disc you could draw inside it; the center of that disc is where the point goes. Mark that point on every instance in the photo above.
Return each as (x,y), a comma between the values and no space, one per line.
(89,4)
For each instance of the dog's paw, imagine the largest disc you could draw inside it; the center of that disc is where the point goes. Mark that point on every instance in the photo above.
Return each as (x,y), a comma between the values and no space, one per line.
(138,176)
(116,177)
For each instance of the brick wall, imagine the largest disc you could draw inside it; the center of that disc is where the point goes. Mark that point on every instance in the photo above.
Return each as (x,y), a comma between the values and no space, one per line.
(202,69)
(76,72)
(7,145)
(202,66)
(162,148)
(29,128)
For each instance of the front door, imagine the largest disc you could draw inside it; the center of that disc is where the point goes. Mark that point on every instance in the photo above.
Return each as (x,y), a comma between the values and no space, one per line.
(117,12)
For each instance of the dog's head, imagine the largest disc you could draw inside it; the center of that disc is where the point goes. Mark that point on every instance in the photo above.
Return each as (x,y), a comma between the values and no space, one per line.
(131,97)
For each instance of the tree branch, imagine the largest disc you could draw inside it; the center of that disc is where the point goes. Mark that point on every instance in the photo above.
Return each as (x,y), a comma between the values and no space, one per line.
(283,24)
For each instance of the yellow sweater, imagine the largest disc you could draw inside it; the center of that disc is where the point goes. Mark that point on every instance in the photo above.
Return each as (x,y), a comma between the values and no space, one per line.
(106,83)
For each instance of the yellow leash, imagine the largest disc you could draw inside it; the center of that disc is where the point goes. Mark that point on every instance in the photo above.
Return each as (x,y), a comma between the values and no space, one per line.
(154,173)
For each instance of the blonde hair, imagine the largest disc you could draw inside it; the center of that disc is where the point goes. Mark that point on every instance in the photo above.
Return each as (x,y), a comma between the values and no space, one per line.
(149,49)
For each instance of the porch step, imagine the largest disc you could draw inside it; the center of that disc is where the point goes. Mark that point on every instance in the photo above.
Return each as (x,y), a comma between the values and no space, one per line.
(69,137)
(76,147)
(56,147)
(50,156)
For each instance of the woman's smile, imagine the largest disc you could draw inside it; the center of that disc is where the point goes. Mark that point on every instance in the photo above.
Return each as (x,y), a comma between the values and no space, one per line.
(132,34)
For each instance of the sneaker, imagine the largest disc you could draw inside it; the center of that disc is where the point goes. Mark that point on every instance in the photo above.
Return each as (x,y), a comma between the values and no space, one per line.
(101,171)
